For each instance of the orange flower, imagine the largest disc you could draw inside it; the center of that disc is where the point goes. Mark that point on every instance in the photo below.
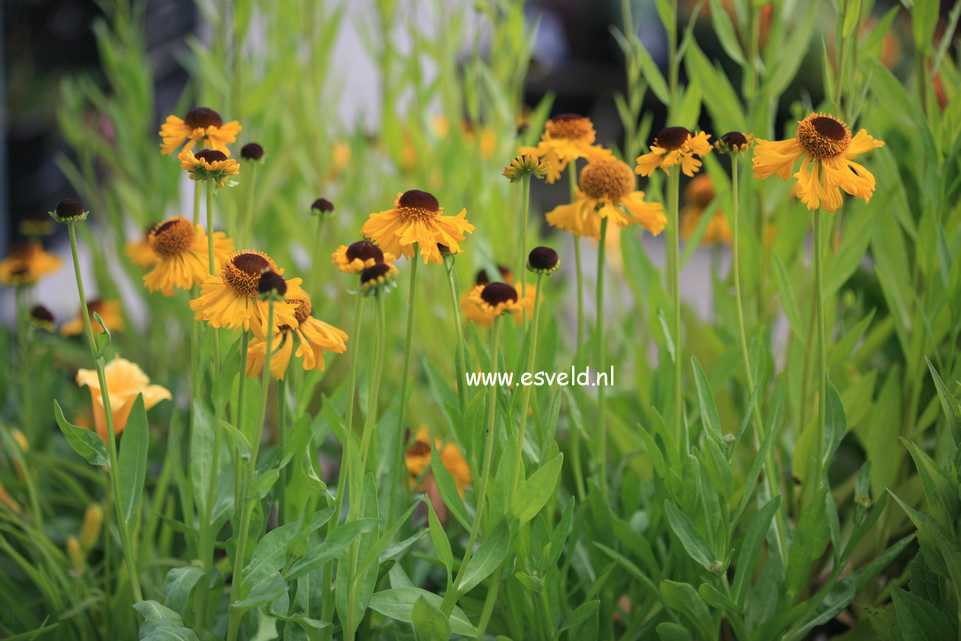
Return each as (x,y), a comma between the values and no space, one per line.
(125,382)
(418,460)
(199,123)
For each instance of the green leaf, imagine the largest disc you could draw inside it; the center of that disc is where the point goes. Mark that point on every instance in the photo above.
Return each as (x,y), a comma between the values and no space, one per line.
(788,299)
(709,415)
(84,442)
(685,599)
(851,16)
(810,540)
(132,462)
(924,18)
(835,424)
(439,538)
(534,493)
(429,622)
(398,603)
(331,548)
(490,553)
(918,619)
(750,548)
(580,614)
(670,631)
(448,488)
(725,32)
(694,544)
(179,584)
(201,453)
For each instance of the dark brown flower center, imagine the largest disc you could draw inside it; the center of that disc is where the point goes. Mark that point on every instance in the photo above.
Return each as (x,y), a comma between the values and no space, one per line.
(374,273)
(172,237)
(542,258)
(733,141)
(419,449)
(70,209)
(202,117)
(417,205)
(609,179)
(242,272)
(323,205)
(210,156)
(570,127)
(672,138)
(823,136)
(365,250)
(271,282)
(251,151)
(496,293)
(482,278)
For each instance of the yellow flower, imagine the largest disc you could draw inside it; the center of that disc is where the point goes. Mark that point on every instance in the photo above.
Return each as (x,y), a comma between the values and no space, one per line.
(675,145)
(27,264)
(494,299)
(417,458)
(417,218)
(827,149)
(378,278)
(199,123)
(566,138)
(208,163)
(230,298)
(125,382)
(109,310)
(698,195)
(359,256)
(525,165)
(140,252)
(313,337)
(607,191)
(11,504)
(482,316)
(183,259)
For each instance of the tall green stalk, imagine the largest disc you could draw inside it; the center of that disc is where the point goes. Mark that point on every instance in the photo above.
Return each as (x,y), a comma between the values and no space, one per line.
(574,434)
(450,598)
(601,453)
(815,483)
(370,420)
(248,205)
(210,257)
(399,467)
(674,269)
(521,273)
(236,589)
(461,363)
(129,557)
(315,264)
(282,451)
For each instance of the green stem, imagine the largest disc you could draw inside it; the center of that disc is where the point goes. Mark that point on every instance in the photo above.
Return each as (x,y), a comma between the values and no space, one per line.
(572,177)
(315,268)
(489,601)
(248,205)
(128,553)
(236,589)
(241,393)
(327,600)
(815,483)
(210,258)
(23,340)
(770,474)
(674,269)
(522,254)
(450,598)
(371,419)
(601,454)
(282,453)
(526,401)
(399,467)
(197,203)
(461,363)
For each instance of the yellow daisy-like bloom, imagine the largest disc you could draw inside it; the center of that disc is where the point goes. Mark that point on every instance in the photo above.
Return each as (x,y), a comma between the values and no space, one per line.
(125,382)
(27,264)
(675,145)
(417,218)
(607,191)
(417,458)
(566,138)
(109,310)
(827,149)
(482,317)
(359,256)
(209,163)
(698,195)
(199,123)
(140,252)
(183,258)
(230,298)
(313,337)
(494,299)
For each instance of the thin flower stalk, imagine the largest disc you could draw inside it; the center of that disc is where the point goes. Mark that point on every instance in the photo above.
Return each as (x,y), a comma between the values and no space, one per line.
(399,467)
(248,205)
(526,400)
(246,508)
(450,599)
(23,339)
(674,268)
(315,268)
(819,445)
(522,253)
(575,436)
(601,454)
(282,451)
(461,363)
(128,553)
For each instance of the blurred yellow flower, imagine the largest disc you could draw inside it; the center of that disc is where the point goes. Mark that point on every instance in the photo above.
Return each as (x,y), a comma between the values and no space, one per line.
(672,146)
(494,299)
(209,164)
(359,256)
(199,123)
(110,311)
(566,138)
(607,191)
(698,195)
(140,252)
(27,264)
(418,460)
(125,382)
